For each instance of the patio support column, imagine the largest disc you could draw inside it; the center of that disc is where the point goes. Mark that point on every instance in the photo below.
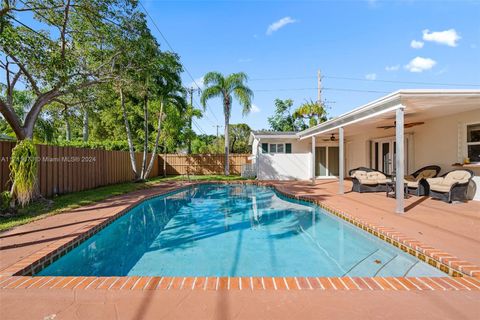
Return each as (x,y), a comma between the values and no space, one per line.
(341,164)
(399,160)
(313,160)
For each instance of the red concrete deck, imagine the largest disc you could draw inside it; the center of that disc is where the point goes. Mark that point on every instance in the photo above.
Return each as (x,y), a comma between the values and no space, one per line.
(446,228)
(454,228)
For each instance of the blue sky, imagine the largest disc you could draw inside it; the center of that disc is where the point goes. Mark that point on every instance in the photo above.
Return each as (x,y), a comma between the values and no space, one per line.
(349,39)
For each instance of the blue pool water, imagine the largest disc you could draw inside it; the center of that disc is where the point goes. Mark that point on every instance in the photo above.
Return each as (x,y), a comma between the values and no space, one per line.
(234,230)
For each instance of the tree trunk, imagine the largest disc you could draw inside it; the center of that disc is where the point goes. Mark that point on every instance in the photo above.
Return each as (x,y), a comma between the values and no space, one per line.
(68,131)
(157,139)
(12,119)
(129,136)
(233,143)
(145,143)
(227,140)
(164,160)
(85,125)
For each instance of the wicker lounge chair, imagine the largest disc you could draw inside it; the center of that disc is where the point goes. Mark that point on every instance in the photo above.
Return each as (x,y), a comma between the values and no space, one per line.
(417,182)
(368,180)
(452,186)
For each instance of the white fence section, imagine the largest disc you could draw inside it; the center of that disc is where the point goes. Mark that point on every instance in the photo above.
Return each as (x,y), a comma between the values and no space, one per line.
(283,166)
(249,170)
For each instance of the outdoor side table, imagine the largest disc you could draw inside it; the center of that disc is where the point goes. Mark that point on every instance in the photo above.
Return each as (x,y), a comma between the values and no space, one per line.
(392,192)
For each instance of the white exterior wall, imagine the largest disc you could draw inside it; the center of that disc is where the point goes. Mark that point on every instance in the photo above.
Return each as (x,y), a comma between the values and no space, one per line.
(283,166)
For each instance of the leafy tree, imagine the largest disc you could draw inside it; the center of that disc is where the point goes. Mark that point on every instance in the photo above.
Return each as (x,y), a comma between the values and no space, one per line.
(283,120)
(240,134)
(233,85)
(314,112)
(75,50)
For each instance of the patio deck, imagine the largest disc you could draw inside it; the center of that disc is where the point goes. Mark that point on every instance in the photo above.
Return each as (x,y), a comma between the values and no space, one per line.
(450,228)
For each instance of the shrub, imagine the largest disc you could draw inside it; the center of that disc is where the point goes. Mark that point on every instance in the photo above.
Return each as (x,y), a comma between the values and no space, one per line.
(23,171)
(5,199)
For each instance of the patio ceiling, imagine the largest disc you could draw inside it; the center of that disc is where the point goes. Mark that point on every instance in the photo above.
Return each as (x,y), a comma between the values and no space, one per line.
(420,105)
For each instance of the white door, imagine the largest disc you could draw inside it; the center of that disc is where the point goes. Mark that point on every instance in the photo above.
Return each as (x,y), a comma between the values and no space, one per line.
(384,153)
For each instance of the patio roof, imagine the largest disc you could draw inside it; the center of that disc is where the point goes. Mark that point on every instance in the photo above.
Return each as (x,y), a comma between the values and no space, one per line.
(419,105)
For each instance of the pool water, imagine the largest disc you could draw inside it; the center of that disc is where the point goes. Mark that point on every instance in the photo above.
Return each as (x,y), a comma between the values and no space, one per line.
(234,230)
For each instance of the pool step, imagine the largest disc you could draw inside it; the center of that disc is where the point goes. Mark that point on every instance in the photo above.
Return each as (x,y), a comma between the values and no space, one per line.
(382,263)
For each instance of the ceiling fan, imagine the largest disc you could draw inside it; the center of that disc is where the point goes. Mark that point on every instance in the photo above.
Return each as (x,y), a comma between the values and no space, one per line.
(332,138)
(406,125)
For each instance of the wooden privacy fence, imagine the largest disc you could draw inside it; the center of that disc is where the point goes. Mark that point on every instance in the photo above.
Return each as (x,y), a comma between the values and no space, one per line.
(69,169)
(201,164)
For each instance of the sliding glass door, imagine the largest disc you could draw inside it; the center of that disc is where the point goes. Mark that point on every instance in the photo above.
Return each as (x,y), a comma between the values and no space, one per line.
(326,161)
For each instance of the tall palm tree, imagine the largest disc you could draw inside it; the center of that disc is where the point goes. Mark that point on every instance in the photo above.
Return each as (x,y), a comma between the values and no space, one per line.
(233,85)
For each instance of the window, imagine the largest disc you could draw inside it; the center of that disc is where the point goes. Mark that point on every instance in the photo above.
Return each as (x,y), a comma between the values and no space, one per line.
(264,147)
(473,142)
(277,148)
(288,148)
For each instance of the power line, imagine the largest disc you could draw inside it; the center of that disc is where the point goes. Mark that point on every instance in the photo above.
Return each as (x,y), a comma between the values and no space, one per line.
(171,48)
(316,88)
(406,82)
(366,80)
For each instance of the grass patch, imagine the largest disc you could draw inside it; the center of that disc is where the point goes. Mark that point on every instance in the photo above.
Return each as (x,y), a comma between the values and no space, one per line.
(41,209)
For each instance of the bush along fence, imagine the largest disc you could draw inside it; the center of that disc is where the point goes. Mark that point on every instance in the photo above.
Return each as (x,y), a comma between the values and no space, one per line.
(68,169)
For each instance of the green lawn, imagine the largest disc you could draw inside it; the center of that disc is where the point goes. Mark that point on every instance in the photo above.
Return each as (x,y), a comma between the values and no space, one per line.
(42,209)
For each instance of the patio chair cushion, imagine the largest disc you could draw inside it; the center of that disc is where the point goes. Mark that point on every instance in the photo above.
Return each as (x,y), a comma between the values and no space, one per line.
(411,184)
(412,181)
(440,187)
(359,174)
(368,181)
(457,176)
(444,184)
(425,174)
(432,181)
(374,175)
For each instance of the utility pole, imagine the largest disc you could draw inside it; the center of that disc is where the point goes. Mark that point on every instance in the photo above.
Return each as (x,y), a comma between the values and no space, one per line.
(319,87)
(218,126)
(190,91)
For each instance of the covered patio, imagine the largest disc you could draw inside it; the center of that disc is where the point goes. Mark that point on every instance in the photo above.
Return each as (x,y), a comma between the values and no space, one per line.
(399,112)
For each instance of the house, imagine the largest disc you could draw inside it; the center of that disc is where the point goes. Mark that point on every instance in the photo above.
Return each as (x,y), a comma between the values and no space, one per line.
(437,126)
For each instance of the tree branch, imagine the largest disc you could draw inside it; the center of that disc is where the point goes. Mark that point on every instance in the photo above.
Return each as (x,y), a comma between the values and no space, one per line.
(24,70)
(64,28)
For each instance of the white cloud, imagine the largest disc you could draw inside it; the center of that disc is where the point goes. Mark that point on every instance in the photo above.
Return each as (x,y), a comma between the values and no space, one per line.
(371,76)
(419,64)
(392,68)
(447,37)
(255,109)
(279,24)
(198,82)
(416,44)
(244,60)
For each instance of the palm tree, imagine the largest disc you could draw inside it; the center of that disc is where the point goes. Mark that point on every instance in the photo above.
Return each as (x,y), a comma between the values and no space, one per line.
(313,111)
(233,85)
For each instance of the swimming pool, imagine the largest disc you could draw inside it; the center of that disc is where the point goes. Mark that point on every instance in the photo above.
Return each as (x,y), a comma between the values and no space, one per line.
(233,230)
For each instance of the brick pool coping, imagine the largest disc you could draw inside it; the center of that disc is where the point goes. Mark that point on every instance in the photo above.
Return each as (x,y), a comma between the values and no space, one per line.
(466,275)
